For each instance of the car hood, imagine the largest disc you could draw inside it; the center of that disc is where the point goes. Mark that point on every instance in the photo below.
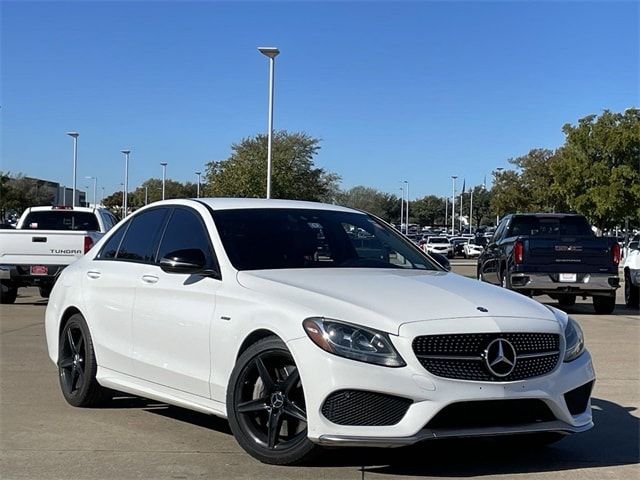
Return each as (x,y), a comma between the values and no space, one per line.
(387,298)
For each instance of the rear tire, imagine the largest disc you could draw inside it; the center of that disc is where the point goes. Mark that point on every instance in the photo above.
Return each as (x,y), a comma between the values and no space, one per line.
(604,305)
(631,292)
(8,293)
(77,365)
(567,300)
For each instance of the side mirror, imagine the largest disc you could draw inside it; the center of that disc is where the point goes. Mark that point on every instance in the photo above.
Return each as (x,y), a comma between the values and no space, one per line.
(188,261)
(442,260)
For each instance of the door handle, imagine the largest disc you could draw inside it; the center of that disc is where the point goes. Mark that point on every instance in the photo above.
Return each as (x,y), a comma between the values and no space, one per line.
(150,279)
(94,274)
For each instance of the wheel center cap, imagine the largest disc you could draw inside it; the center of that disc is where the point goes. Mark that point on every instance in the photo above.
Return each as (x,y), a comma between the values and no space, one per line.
(277,400)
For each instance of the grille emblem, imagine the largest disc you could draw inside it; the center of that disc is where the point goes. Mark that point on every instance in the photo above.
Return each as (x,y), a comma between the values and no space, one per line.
(482,309)
(500,357)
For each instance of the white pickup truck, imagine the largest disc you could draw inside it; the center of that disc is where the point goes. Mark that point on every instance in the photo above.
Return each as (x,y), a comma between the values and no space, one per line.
(632,273)
(45,241)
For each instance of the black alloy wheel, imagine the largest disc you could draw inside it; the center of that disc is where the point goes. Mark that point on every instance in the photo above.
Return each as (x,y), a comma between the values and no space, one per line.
(266,404)
(72,361)
(77,365)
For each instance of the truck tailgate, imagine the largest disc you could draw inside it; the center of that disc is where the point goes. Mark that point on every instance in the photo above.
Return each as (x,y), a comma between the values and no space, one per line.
(569,254)
(41,247)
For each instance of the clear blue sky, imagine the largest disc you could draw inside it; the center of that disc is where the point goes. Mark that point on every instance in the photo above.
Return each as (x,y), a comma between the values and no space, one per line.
(420,90)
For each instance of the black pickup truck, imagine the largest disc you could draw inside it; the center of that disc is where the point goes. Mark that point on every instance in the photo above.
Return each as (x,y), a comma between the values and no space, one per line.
(553,254)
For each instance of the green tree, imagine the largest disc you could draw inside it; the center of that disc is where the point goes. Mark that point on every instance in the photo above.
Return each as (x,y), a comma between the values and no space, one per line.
(381,204)
(507,194)
(537,180)
(18,192)
(294,174)
(597,172)
(429,210)
(481,206)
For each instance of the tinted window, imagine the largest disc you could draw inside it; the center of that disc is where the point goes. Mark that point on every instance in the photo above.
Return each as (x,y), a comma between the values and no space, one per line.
(107,220)
(61,220)
(184,231)
(110,249)
(302,238)
(141,240)
(549,226)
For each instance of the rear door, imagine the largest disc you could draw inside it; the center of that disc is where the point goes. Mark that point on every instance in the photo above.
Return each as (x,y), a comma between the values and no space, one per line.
(110,283)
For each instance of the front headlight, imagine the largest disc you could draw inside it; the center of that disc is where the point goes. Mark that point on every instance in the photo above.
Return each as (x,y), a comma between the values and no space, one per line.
(353,341)
(574,339)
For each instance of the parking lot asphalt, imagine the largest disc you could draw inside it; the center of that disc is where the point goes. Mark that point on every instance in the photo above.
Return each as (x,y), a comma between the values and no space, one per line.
(41,437)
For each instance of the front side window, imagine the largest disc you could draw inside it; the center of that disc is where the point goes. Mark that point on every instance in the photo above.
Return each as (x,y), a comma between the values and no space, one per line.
(141,240)
(262,239)
(185,231)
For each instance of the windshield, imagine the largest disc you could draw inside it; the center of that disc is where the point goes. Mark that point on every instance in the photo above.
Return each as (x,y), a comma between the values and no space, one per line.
(303,238)
(549,226)
(61,220)
(438,240)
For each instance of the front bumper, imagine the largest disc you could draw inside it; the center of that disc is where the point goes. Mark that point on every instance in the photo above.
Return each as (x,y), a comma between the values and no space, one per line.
(429,395)
(604,283)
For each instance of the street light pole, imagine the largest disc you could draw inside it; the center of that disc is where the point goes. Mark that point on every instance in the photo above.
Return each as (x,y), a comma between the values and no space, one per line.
(95,183)
(498,170)
(126,183)
(146,195)
(407,211)
(75,136)
(198,174)
(401,207)
(446,213)
(164,176)
(272,53)
(453,204)
(471,212)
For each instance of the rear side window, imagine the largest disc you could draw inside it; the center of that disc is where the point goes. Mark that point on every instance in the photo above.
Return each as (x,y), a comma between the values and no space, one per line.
(549,226)
(61,220)
(141,239)
(185,231)
(110,249)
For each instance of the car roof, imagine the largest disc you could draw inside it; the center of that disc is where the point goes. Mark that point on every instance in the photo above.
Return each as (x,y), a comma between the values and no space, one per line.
(61,209)
(242,203)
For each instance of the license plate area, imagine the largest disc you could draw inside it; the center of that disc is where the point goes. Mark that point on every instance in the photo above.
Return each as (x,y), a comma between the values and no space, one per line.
(568,277)
(39,270)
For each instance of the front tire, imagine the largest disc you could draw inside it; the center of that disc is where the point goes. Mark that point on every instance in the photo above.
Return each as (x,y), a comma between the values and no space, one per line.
(631,292)
(604,305)
(77,365)
(266,405)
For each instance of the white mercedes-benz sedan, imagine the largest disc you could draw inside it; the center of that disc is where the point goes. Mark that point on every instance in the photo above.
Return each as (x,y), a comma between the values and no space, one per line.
(306,325)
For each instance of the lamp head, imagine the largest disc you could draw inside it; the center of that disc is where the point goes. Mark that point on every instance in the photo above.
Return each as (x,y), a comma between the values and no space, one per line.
(271,52)
(73,134)
(126,152)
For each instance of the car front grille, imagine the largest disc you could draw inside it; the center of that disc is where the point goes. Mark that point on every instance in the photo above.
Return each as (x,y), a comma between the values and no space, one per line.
(463,356)
(359,407)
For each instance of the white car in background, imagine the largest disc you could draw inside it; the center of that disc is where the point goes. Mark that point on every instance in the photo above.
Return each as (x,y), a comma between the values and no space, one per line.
(369,344)
(474,247)
(440,245)
(631,270)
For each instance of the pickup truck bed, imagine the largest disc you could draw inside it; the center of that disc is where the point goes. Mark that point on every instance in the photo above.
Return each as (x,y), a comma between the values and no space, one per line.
(555,255)
(34,255)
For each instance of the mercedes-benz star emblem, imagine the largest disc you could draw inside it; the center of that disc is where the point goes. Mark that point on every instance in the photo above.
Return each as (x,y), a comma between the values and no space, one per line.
(277,400)
(500,357)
